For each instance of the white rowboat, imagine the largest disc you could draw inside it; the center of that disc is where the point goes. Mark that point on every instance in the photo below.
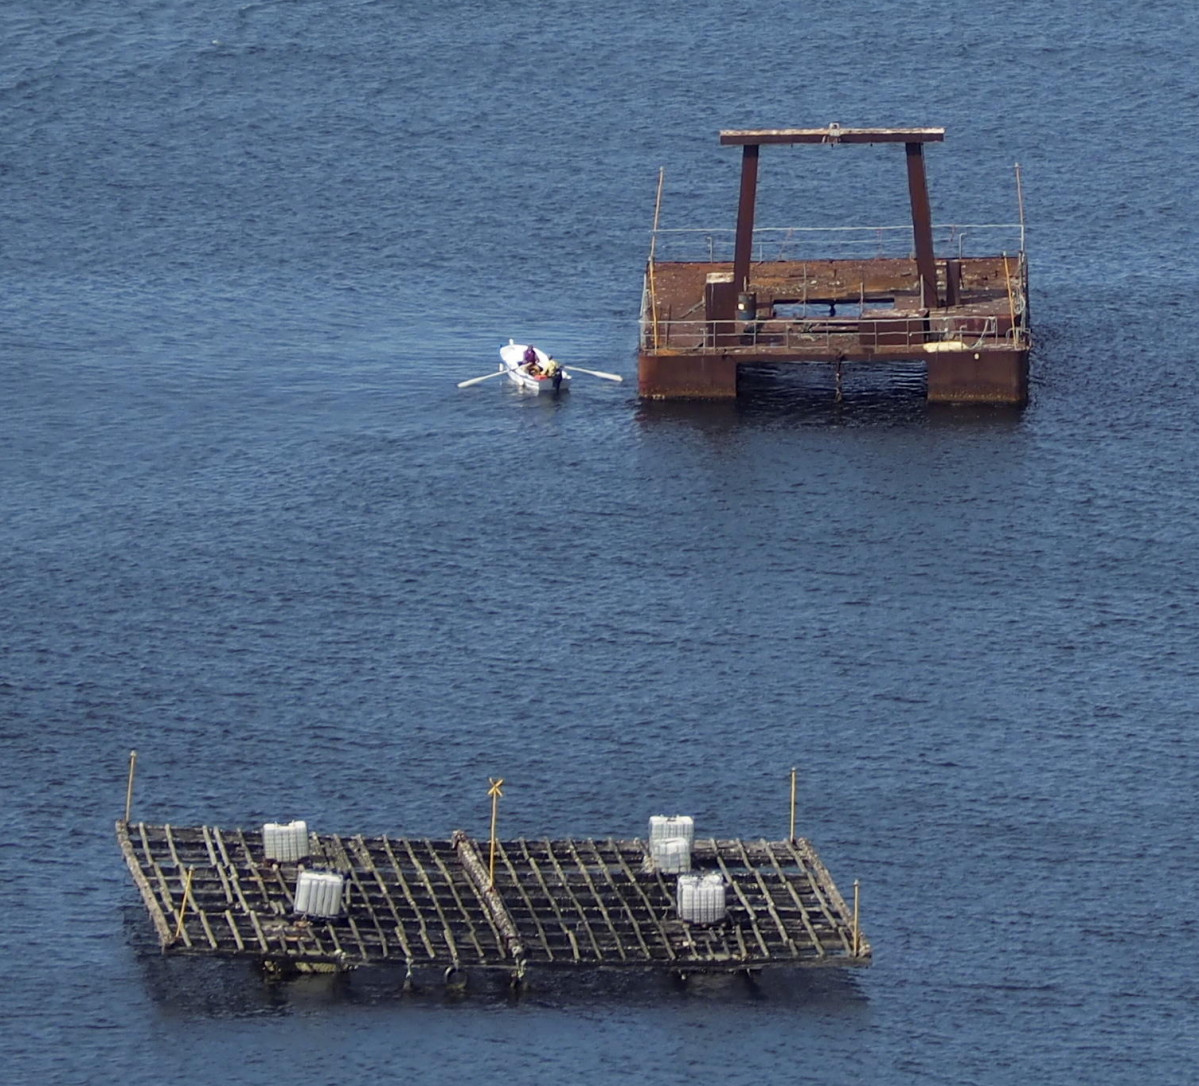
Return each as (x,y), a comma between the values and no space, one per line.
(532,370)
(548,376)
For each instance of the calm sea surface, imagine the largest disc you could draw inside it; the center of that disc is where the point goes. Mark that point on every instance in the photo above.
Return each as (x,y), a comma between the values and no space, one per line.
(249,526)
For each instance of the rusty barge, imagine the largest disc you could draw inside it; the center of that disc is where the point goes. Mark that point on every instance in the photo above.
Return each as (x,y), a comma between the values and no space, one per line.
(954,298)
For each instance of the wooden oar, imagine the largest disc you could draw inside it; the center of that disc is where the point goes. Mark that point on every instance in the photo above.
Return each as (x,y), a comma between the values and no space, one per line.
(595,373)
(476,380)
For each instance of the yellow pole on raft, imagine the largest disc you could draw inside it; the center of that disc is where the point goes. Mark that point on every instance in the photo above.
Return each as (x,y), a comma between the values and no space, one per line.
(495,793)
(187,889)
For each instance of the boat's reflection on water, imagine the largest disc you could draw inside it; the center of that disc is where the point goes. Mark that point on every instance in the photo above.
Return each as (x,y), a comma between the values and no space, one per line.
(225,988)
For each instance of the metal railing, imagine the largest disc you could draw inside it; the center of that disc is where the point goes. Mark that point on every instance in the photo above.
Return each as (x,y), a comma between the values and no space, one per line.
(836,242)
(817,335)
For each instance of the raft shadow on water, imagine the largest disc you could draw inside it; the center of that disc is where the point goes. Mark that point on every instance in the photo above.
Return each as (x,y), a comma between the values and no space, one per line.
(221,988)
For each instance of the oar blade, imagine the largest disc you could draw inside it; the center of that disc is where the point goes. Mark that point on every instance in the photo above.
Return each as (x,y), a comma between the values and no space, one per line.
(596,373)
(476,380)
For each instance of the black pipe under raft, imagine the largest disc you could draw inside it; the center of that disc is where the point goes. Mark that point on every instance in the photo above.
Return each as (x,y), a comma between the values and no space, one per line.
(424,903)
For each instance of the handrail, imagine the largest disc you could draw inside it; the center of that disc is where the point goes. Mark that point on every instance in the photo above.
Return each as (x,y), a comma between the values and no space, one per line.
(904,331)
(949,240)
(833,229)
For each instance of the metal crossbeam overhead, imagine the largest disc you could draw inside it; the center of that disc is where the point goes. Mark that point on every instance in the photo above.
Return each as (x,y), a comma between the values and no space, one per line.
(834,133)
(913,139)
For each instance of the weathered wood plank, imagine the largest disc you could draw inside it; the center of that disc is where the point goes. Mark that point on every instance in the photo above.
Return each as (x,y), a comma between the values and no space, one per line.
(825,890)
(784,934)
(417,913)
(217,866)
(564,883)
(803,912)
(651,914)
(497,912)
(518,886)
(750,911)
(143,886)
(535,868)
(363,856)
(595,896)
(241,946)
(447,931)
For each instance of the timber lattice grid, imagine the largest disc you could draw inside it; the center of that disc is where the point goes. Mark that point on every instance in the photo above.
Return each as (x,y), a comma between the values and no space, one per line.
(421,903)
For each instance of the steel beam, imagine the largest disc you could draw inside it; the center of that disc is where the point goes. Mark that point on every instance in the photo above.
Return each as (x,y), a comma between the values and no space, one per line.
(832,134)
(922,223)
(745,216)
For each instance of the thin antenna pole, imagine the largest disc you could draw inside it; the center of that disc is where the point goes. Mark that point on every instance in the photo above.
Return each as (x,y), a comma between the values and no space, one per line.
(857,931)
(657,210)
(129,788)
(653,244)
(792,837)
(1020,201)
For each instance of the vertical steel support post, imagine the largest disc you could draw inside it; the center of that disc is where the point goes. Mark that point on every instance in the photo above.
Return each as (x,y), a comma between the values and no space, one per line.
(922,224)
(745,216)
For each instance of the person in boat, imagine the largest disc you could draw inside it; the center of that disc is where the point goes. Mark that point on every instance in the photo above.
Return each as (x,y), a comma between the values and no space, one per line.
(531,366)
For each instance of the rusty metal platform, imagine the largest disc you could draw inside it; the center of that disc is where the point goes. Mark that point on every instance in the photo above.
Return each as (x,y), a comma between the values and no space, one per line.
(837,296)
(422,903)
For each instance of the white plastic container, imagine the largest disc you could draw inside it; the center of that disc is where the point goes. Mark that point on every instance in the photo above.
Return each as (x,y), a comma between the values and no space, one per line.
(702,899)
(671,855)
(318,893)
(662,826)
(685,900)
(285,843)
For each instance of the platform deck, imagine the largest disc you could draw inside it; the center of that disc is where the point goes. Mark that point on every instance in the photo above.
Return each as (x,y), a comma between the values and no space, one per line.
(425,903)
(837,295)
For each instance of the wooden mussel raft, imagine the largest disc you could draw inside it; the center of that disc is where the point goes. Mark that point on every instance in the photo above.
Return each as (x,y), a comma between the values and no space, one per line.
(457,904)
(952,297)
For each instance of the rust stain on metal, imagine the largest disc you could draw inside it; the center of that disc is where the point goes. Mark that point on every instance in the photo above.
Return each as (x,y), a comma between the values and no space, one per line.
(955,298)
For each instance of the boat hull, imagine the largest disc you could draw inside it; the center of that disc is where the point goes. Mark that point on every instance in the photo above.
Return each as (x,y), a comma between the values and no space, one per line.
(513,355)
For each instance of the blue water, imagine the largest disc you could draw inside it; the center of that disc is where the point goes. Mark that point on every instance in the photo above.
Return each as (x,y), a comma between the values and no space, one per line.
(250,527)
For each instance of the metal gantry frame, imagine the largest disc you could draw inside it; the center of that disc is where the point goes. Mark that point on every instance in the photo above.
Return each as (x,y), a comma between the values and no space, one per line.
(913,139)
